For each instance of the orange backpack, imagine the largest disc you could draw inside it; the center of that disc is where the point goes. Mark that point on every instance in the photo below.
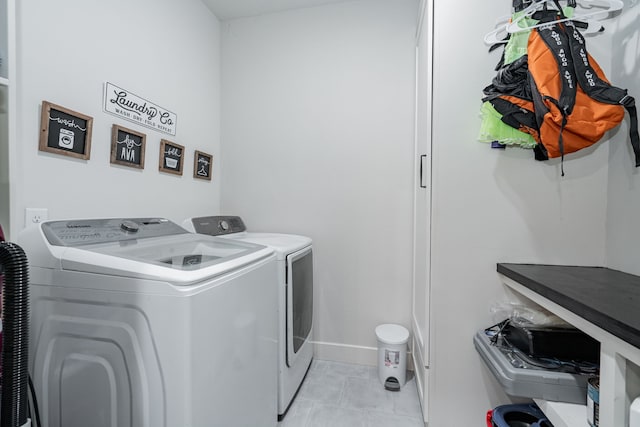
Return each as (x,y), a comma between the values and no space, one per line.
(563,99)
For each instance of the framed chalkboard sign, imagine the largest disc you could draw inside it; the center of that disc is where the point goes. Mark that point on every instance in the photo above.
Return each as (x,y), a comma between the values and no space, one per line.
(202,165)
(171,157)
(127,147)
(63,131)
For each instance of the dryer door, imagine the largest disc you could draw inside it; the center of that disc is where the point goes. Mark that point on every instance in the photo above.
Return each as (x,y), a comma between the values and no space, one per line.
(299,301)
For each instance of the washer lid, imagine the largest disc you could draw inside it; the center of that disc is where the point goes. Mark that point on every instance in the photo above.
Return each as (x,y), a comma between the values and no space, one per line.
(153,249)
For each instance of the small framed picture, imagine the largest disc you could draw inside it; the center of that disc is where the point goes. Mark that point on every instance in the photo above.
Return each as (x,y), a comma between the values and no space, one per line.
(202,165)
(127,147)
(64,131)
(171,157)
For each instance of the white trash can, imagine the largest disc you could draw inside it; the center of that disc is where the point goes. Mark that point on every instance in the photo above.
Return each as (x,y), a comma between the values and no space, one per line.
(392,355)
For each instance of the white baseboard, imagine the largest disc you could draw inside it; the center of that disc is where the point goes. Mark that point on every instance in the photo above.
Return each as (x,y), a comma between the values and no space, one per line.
(346,353)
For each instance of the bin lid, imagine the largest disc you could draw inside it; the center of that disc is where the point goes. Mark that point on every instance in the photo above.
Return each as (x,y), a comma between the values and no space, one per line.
(392,334)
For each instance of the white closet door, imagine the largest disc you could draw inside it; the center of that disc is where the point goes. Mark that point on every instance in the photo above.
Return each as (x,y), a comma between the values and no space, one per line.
(422,201)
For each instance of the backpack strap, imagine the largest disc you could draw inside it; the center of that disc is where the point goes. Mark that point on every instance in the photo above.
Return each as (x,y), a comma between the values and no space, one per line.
(560,138)
(557,41)
(600,89)
(630,104)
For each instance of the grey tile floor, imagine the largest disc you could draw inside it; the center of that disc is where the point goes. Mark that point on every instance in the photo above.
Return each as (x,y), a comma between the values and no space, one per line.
(346,395)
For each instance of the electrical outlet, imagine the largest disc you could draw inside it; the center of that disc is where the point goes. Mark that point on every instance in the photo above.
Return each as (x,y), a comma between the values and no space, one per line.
(35,216)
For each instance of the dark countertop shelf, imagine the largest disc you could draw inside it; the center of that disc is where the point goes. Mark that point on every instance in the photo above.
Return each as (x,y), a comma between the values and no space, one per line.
(609,299)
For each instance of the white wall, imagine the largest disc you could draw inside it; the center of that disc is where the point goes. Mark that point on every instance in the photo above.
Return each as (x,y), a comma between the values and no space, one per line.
(165,51)
(492,206)
(7,71)
(318,140)
(325,95)
(623,202)
(4,160)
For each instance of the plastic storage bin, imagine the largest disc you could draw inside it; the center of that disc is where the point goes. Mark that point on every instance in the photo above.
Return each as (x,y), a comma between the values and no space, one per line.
(527,380)
(392,355)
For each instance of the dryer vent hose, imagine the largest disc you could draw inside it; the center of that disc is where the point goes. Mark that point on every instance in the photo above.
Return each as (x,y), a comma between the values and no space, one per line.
(15,335)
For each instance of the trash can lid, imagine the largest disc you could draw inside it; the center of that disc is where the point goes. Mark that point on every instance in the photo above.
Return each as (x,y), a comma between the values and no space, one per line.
(392,334)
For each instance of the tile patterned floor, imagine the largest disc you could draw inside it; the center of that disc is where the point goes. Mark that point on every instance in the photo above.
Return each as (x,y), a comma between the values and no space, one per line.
(345,395)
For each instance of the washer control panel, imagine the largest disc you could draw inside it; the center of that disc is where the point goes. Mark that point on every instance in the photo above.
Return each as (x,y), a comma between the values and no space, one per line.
(218,225)
(89,231)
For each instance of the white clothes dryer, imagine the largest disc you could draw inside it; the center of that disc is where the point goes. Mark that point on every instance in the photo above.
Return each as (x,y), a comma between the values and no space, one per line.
(139,323)
(295,297)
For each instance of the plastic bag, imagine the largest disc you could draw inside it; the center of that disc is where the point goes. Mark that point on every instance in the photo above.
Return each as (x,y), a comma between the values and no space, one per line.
(523,315)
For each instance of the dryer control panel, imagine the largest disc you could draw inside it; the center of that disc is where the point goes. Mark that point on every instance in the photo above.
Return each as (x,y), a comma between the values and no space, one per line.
(218,225)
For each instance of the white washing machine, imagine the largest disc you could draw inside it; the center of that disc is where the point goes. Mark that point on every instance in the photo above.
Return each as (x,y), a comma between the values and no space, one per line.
(139,323)
(295,304)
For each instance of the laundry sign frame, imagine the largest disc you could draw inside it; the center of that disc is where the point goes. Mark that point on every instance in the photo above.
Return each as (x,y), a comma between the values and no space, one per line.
(64,131)
(202,165)
(125,144)
(171,157)
(129,106)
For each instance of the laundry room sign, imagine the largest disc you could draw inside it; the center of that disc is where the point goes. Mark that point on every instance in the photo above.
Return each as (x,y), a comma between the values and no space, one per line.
(202,164)
(171,157)
(64,131)
(122,103)
(127,147)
